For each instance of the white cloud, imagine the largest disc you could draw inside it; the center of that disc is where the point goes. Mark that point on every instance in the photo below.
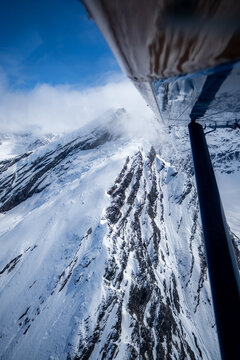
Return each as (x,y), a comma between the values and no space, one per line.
(64,108)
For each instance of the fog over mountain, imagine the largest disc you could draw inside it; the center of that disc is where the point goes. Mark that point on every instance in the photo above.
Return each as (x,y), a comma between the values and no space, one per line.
(101,249)
(63,108)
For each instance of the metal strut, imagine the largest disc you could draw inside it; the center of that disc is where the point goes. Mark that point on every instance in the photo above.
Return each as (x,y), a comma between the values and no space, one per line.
(222,265)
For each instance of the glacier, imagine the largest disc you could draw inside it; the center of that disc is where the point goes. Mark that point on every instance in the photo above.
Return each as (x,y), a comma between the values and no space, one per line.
(101,249)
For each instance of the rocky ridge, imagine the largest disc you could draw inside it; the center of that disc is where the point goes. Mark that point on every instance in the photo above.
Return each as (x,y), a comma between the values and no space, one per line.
(102,249)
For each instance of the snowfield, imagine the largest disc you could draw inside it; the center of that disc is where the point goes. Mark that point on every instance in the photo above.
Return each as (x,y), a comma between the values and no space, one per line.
(101,252)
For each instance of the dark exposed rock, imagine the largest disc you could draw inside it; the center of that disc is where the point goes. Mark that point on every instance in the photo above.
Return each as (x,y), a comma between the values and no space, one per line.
(27,180)
(11,265)
(175,294)
(5,164)
(138,299)
(25,313)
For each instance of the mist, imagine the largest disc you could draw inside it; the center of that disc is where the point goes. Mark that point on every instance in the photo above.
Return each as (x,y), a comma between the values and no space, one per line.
(62,109)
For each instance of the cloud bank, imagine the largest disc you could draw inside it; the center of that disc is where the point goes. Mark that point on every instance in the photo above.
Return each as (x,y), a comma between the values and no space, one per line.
(60,109)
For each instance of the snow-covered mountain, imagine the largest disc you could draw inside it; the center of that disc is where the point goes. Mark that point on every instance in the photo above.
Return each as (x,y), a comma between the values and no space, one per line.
(101,251)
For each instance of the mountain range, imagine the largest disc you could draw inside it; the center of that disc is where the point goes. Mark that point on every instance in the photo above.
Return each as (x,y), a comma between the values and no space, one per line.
(101,247)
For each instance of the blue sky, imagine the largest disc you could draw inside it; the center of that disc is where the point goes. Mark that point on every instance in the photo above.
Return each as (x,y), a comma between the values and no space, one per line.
(56,70)
(52,42)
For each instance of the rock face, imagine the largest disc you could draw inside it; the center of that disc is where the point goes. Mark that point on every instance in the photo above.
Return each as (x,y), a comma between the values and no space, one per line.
(101,251)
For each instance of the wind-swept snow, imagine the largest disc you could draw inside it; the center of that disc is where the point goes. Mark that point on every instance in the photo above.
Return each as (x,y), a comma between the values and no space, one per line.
(101,252)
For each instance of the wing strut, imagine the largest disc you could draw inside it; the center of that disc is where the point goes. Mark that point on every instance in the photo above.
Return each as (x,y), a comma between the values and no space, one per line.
(222,264)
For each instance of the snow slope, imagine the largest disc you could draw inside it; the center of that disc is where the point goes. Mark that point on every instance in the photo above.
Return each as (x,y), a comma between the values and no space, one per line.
(101,253)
